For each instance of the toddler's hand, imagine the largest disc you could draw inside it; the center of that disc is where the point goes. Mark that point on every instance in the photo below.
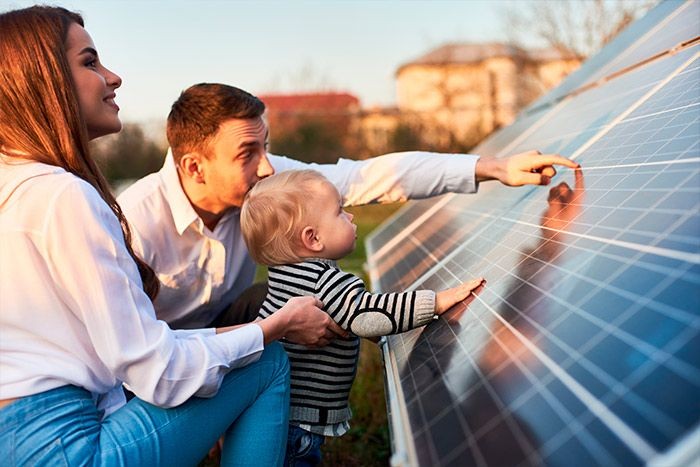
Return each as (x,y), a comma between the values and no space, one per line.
(446,299)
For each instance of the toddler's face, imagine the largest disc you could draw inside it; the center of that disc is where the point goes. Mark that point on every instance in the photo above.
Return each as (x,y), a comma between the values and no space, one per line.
(334,225)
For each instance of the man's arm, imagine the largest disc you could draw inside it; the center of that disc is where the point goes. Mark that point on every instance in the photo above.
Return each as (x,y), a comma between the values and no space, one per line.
(417,175)
(394,177)
(527,168)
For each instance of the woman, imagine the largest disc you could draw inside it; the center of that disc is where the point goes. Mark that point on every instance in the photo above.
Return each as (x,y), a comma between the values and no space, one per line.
(76,315)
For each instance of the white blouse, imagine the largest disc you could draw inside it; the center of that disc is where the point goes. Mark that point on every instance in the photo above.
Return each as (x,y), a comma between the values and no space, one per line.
(72,307)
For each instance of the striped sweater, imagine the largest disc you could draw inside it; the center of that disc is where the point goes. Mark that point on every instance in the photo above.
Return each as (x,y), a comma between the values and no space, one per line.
(321,378)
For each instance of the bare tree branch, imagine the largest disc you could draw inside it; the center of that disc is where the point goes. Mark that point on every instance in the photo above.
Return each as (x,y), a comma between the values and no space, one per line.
(579,27)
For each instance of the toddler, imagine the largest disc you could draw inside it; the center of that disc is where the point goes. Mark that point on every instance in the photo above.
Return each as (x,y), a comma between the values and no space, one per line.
(294,223)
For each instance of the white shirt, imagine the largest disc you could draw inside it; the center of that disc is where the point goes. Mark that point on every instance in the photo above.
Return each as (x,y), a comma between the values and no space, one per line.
(202,272)
(72,308)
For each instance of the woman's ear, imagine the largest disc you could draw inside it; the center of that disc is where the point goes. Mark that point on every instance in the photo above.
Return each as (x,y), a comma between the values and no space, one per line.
(191,167)
(310,240)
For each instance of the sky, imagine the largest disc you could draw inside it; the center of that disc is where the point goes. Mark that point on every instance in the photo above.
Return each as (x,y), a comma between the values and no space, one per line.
(159,47)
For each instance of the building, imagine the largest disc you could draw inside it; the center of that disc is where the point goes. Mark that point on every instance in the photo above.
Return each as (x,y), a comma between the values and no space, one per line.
(315,127)
(448,99)
(285,112)
(458,93)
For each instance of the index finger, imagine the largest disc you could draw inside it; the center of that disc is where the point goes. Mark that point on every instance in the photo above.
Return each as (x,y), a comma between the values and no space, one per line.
(555,159)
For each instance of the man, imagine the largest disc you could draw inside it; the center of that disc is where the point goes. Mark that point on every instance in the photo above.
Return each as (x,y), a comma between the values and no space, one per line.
(185,218)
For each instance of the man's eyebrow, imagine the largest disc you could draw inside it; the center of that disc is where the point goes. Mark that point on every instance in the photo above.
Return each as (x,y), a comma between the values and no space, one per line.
(254,142)
(249,143)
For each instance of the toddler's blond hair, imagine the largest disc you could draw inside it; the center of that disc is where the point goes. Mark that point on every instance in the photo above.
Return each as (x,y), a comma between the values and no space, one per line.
(273,215)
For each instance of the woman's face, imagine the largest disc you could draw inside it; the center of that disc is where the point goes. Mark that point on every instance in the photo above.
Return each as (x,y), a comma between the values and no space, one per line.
(95,84)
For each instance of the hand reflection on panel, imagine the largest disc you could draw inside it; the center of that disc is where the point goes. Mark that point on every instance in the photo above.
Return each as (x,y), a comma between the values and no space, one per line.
(479,400)
(535,276)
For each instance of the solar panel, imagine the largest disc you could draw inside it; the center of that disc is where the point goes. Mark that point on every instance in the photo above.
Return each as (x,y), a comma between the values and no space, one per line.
(578,120)
(584,347)
(662,29)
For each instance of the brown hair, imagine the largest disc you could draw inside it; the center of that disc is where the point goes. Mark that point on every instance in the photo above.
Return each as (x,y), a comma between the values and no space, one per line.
(273,215)
(39,112)
(197,114)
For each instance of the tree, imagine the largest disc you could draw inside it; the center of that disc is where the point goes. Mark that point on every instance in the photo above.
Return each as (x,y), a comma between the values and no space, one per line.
(405,138)
(578,27)
(309,140)
(127,155)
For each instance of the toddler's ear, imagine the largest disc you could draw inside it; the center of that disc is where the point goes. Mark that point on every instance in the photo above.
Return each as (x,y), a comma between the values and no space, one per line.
(310,240)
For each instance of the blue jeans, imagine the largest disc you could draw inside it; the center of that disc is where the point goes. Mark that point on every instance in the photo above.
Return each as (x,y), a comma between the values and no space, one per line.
(63,427)
(303,448)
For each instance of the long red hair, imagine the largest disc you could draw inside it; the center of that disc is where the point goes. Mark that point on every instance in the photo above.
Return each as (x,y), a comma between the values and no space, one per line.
(39,114)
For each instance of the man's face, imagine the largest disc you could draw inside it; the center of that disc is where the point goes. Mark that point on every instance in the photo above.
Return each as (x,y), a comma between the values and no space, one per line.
(238,160)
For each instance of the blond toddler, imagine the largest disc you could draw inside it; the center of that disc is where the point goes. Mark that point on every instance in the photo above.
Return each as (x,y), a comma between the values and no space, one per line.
(294,222)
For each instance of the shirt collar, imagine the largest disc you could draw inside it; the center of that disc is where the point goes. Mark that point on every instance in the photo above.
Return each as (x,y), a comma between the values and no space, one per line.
(181,208)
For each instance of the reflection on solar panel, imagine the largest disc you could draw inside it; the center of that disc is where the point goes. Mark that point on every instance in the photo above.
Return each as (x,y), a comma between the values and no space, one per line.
(584,347)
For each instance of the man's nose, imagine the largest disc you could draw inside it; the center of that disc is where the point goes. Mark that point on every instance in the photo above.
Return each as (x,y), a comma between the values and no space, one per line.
(265,169)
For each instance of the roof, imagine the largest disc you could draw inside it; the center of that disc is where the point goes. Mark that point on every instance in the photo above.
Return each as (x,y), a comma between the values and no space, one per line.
(327,101)
(466,52)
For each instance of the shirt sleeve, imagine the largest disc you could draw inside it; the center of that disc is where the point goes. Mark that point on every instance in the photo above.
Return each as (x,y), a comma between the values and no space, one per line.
(394,177)
(366,314)
(99,282)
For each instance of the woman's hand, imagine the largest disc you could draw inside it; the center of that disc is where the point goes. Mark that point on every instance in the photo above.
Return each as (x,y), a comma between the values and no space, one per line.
(302,321)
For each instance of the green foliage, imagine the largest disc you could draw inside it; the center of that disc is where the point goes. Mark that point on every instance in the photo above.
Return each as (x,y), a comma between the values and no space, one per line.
(127,155)
(414,137)
(313,140)
(405,138)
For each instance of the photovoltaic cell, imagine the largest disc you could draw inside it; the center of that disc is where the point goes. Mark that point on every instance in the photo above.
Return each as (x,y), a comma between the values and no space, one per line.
(391,229)
(584,346)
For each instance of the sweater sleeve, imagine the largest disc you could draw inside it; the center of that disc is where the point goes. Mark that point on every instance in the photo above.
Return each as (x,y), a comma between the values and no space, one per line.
(367,314)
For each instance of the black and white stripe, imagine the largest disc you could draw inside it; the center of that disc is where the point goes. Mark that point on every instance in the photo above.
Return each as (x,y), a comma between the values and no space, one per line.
(321,378)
